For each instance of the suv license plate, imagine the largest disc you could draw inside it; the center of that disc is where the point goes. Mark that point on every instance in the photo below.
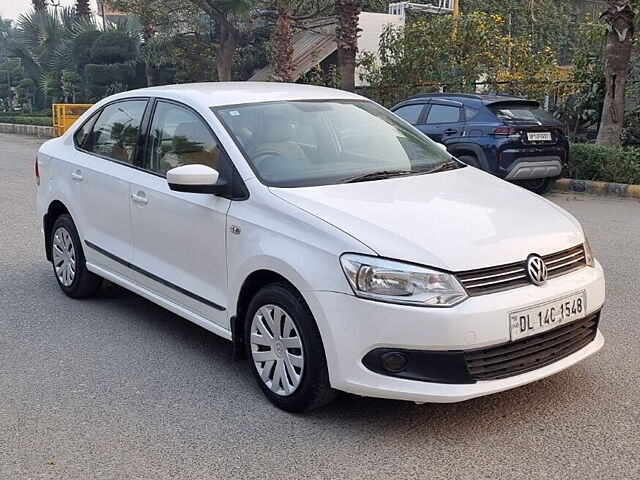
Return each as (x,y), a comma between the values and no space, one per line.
(539,136)
(546,316)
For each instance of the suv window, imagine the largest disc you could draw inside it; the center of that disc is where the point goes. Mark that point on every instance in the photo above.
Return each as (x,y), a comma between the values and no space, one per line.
(179,137)
(522,112)
(115,133)
(443,114)
(410,113)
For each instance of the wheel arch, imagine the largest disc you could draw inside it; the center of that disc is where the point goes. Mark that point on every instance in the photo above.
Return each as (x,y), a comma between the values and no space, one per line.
(250,286)
(55,209)
(460,149)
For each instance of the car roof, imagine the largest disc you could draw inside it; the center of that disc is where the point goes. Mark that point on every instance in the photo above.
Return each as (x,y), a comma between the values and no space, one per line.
(484,99)
(215,94)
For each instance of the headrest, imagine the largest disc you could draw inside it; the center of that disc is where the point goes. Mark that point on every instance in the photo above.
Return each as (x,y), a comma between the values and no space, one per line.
(276,128)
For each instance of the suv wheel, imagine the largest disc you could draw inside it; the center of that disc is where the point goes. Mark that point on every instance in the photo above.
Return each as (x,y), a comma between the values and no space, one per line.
(68,260)
(538,185)
(285,350)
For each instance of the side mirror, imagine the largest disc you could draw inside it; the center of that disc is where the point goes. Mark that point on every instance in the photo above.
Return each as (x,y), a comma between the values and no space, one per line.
(195,178)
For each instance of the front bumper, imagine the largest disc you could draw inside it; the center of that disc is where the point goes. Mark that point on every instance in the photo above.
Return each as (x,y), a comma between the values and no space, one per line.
(351,327)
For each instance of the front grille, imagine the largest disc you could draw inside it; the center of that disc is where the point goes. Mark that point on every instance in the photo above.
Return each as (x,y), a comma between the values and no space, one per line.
(533,352)
(513,275)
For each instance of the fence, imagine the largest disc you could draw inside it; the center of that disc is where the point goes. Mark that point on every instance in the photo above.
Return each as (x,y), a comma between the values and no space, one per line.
(64,114)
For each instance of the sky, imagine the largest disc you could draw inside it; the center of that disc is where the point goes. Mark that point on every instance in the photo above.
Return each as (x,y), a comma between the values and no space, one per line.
(13,8)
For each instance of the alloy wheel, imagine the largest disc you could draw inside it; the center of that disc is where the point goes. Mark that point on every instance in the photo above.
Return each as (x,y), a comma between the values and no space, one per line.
(64,256)
(276,349)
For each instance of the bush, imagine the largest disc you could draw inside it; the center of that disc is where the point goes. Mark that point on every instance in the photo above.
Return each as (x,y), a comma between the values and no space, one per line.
(24,120)
(607,164)
(113,47)
(81,48)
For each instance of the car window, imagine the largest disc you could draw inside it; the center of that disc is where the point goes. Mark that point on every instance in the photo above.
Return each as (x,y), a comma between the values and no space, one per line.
(522,112)
(179,137)
(315,142)
(83,132)
(443,114)
(115,133)
(410,113)
(469,113)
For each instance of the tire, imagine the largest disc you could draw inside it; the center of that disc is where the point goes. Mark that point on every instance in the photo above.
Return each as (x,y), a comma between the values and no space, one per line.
(294,372)
(67,258)
(538,185)
(470,160)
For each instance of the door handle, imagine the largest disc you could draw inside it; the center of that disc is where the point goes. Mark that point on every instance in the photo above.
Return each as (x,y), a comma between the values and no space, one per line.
(139,198)
(77,176)
(450,131)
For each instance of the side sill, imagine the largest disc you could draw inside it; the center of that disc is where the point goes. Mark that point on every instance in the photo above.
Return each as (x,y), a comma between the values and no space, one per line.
(162,301)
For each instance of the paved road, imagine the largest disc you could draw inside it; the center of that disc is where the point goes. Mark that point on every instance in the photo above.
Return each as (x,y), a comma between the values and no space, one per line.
(115,387)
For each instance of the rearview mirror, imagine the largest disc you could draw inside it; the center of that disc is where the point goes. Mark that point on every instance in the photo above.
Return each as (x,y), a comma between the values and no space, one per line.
(195,178)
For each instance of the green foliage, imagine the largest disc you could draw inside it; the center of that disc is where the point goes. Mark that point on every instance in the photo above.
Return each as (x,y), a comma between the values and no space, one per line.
(440,50)
(113,47)
(608,164)
(81,47)
(26,91)
(581,108)
(27,120)
(103,80)
(71,85)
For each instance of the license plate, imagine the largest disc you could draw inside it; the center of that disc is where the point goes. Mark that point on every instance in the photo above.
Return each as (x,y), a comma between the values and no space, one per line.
(540,318)
(539,136)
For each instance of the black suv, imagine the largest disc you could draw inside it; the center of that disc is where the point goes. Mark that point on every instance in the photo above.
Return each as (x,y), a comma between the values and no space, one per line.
(510,137)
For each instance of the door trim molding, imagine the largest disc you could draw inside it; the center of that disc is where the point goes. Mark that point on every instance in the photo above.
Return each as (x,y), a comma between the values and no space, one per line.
(153,277)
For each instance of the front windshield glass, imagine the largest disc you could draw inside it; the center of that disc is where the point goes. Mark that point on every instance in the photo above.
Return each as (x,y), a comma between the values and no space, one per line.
(304,143)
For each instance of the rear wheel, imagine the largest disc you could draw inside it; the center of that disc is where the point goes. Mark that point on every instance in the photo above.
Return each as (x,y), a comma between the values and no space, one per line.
(285,350)
(538,185)
(67,257)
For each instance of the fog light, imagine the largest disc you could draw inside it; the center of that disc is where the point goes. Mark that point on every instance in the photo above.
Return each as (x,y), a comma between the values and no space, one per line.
(394,361)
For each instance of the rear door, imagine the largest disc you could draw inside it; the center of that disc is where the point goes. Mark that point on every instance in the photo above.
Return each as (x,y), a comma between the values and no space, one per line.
(99,182)
(444,121)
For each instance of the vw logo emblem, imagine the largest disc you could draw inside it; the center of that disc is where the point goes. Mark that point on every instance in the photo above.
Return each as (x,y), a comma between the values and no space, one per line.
(536,269)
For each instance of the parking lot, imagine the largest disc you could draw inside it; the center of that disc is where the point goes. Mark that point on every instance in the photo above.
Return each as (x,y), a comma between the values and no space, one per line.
(114,387)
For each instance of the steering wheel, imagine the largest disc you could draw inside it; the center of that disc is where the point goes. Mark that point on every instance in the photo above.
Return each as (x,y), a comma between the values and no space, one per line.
(263,153)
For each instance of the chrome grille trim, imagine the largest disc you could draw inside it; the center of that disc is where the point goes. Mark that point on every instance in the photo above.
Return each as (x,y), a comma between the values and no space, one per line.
(513,275)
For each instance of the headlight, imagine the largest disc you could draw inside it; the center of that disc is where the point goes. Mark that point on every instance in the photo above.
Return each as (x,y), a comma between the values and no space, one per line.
(397,282)
(588,256)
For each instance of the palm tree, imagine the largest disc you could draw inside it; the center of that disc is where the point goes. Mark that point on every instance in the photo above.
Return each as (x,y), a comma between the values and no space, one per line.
(620,20)
(39,5)
(347,30)
(83,9)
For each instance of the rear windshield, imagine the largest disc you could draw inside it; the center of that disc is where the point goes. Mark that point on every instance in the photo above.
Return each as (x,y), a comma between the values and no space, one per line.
(519,112)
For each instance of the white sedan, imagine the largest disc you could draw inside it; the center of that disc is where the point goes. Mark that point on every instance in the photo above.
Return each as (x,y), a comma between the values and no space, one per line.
(336,246)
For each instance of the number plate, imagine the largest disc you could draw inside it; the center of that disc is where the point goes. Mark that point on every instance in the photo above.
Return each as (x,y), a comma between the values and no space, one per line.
(539,136)
(541,318)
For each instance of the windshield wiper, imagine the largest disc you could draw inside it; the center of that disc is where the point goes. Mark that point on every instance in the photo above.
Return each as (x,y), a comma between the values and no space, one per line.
(379,175)
(448,165)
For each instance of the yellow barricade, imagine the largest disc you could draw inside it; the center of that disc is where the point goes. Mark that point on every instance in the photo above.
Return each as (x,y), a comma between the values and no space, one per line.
(64,114)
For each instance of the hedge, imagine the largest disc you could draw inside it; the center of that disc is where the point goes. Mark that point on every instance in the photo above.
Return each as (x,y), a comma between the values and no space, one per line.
(607,164)
(25,120)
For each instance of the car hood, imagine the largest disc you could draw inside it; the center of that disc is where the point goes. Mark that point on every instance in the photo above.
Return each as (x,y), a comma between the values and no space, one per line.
(454,220)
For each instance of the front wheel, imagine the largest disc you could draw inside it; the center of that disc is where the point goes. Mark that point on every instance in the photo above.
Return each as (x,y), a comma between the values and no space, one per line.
(285,350)
(538,185)
(68,260)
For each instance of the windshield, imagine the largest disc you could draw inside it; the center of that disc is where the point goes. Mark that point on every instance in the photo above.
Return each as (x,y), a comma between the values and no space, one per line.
(529,113)
(304,143)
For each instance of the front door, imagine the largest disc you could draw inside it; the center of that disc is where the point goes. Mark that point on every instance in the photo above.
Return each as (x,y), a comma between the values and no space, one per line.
(179,238)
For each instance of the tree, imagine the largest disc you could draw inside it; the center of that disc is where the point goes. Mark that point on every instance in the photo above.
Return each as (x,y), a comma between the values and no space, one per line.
(620,21)
(233,21)
(39,5)
(283,44)
(71,85)
(347,30)
(26,90)
(83,9)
